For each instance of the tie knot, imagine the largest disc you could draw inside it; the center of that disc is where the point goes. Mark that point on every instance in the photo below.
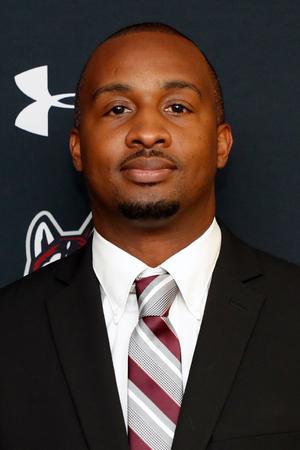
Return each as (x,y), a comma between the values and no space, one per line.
(155,294)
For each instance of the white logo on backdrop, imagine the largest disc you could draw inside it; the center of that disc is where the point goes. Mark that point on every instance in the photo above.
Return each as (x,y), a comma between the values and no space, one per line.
(47,242)
(34,117)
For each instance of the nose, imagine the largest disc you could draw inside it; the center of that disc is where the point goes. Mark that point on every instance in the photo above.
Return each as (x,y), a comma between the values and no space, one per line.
(148,129)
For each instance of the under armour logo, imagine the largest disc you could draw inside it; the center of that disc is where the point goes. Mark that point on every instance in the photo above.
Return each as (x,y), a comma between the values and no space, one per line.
(34,84)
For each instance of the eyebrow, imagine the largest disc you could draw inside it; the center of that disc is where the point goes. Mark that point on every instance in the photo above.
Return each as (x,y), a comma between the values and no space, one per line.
(181,84)
(113,87)
(167,85)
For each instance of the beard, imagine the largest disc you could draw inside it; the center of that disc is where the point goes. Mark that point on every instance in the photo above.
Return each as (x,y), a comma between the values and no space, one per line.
(158,210)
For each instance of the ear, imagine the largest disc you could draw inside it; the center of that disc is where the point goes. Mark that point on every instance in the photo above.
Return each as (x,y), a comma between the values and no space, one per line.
(74,145)
(225,141)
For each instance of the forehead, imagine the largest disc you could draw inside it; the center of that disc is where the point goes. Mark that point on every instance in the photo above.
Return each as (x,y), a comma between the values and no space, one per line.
(136,57)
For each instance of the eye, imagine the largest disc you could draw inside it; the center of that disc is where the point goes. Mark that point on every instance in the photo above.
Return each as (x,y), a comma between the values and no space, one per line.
(118,110)
(177,108)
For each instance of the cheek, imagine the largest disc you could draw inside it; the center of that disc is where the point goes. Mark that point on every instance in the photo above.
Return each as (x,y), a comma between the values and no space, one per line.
(199,157)
(199,149)
(101,151)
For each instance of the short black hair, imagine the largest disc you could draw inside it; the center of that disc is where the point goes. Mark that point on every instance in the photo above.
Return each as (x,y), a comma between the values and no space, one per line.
(158,28)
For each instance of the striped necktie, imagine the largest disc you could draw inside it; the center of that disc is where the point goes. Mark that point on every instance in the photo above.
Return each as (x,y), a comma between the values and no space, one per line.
(154,368)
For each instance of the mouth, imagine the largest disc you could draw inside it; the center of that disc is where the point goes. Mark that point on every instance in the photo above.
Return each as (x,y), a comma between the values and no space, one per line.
(148,170)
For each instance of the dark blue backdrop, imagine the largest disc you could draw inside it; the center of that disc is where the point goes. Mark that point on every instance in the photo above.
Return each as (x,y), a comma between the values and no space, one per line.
(255,48)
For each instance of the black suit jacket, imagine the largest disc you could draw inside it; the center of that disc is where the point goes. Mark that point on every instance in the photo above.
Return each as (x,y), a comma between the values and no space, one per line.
(57,383)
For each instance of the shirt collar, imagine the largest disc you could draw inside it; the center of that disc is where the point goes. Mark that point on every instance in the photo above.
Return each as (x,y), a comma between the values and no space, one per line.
(116,271)
(191,268)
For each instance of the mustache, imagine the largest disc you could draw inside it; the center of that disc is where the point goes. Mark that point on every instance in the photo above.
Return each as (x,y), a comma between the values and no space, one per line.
(148,153)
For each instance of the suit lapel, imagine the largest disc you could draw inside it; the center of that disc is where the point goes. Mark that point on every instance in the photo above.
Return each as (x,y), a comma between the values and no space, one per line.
(79,332)
(231,312)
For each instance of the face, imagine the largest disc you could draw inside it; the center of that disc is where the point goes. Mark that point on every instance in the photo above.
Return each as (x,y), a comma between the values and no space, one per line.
(148,134)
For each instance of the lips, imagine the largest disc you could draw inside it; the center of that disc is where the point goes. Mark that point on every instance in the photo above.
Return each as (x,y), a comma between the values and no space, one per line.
(148,170)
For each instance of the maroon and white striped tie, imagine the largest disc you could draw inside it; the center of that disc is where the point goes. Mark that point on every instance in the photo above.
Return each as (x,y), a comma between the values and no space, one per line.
(154,368)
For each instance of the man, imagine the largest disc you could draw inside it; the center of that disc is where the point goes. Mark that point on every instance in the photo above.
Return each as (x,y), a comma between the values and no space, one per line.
(88,361)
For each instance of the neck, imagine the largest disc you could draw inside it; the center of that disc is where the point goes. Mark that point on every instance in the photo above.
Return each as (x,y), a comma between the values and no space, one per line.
(154,244)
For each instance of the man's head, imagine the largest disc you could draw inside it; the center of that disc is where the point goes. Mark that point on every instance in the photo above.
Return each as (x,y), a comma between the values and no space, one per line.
(158,28)
(150,131)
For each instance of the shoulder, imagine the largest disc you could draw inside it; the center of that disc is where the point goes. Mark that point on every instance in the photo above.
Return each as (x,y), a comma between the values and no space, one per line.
(281,280)
(35,286)
(277,266)
(24,304)
(274,272)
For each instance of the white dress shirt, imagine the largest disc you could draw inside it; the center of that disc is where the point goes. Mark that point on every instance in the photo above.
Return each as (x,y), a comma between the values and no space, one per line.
(116,271)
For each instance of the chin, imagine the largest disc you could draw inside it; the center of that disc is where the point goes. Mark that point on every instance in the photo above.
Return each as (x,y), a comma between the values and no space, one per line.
(146,211)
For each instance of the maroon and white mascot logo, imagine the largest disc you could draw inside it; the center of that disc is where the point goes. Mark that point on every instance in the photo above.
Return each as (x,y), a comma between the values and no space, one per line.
(46,242)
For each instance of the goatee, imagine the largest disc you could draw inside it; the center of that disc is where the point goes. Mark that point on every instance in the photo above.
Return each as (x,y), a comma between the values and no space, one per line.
(161,209)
